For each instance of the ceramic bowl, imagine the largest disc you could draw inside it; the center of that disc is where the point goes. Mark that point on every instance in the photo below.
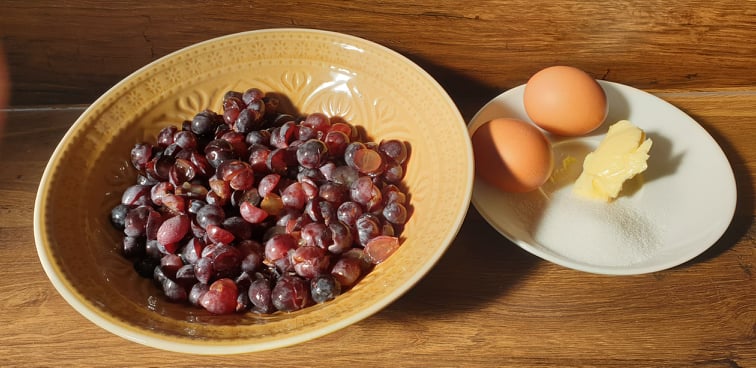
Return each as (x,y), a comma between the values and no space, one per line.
(367,84)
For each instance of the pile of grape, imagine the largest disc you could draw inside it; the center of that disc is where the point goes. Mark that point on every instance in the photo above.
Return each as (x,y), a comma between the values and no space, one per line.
(258,210)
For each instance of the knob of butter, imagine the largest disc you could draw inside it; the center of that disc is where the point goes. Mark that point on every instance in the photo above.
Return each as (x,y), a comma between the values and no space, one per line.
(621,155)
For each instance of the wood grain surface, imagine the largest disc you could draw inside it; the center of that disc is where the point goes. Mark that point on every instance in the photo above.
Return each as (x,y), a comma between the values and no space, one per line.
(487,303)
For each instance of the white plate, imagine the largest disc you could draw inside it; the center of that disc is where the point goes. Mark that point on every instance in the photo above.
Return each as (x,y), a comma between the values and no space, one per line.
(679,207)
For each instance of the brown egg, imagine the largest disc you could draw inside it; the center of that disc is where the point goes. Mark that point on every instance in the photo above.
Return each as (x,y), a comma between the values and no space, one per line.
(512,155)
(565,101)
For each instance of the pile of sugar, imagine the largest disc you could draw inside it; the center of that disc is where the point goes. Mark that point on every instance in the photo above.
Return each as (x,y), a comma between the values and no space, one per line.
(611,234)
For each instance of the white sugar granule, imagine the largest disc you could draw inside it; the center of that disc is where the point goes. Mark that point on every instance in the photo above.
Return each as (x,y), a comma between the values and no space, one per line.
(611,234)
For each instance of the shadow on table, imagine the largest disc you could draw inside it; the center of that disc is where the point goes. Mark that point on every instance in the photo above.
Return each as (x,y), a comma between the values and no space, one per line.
(469,94)
(480,265)
(741,223)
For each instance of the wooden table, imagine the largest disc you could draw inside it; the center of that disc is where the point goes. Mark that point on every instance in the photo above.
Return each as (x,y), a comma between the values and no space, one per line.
(487,302)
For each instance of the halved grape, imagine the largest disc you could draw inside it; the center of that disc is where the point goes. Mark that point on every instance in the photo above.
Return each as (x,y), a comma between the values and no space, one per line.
(378,249)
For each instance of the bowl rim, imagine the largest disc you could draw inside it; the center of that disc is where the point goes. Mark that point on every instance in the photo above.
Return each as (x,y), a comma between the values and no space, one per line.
(203,347)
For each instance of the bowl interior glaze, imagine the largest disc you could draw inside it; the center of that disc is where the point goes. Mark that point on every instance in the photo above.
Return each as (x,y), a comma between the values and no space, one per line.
(365,83)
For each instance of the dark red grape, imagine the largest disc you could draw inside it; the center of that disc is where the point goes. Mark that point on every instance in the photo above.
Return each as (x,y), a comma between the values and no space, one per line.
(336,142)
(247,120)
(231,108)
(174,204)
(316,234)
(181,172)
(320,210)
(135,223)
(391,193)
(170,264)
(393,172)
(349,152)
(394,149)
(348,213)
(220,298)
(152,249)
(185,276)
(258,137)
(343,127)
(165,137)
(252,253)
(192,251)
(366,193)
(347,271)
(204,270)
(276,161)
(305,133)
(242,299)
(324,288)
(218,234)
(195,205)
(238,227)
(344,175)
(294,196)
(173,230)
(268,184)
(341,237)
(252,94)
(159,191)
(204,168)
(118,216)
(154,221)
(186,140)
(158,169)
(278,246)
(395,213)
(290,293)
(219,150)
(259,296)
(171,152)
(173,291)
(280,137)
(133,247)
(368,227)
(220,192)
(204,123)
(136,195)
(195,294)
(226,259)
(252,213)
(237,141)
(140,155)
(334,193)
(318,121)
(309,261)
(210,215)
(258,157)
(311,153)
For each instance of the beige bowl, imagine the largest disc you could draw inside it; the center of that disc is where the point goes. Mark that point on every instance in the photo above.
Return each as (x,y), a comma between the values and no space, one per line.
(366,83)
